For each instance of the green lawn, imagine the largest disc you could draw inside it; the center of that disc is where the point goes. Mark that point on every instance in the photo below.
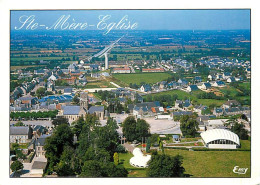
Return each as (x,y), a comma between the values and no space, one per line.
(209,102)
(246,85)
(149,78)
(133,172)
(245,144)
(213,163)
(201,163)
(182,95)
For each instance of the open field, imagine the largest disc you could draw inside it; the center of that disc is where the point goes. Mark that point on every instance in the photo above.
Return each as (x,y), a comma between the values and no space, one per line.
(185,95)
(209,102)
(24,67)
(98,84)
(202,163)
(213,163)
(142,77)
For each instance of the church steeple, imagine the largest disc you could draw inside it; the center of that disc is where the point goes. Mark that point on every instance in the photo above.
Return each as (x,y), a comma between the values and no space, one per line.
(84,100)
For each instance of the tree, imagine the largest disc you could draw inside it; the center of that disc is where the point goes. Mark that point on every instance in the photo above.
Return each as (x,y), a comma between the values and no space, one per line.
(92,168)
(60,120)
(142,129)
(148,145)
(77,125)
(189,126)
(55,144)
(19,123)
(40,92)
(129,128)
(165,166)
(116,158)
(16,166)
(240,130)
(64,167)
(75,100)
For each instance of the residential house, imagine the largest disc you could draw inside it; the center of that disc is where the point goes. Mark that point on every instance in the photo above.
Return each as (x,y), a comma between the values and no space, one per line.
(145,88)
(192,88)
(205,86)
(219,84)
(53,77)
(20,134)
(219,77)
(162,85)
(231,79)
(182,82)
(39,145)
(226,75)
(197,79)
(211,77)
(38,131)
(200,108)
(231,103)
(172,85)
(218,111)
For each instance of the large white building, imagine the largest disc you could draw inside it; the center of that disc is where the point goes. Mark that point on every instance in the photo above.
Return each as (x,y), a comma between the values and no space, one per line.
(220,138)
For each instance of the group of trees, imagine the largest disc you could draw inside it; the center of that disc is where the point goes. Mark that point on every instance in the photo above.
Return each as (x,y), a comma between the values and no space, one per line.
(92,155)
(189,126)
(237,128)
(135,129)
(209,95)
(166,100)
(165,166)
(33,115)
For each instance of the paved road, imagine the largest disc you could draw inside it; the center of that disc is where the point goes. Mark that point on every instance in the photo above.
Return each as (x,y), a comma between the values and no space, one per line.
(114,84)
(100,89)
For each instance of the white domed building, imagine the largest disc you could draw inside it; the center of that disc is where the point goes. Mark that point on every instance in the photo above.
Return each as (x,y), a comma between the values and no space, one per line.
(220,138)
(139,160)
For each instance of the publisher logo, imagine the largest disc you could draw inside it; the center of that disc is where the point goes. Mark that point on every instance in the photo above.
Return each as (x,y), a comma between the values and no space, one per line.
(240,170)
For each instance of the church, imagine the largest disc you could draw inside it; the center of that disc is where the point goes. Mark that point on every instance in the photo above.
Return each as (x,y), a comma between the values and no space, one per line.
(73,112)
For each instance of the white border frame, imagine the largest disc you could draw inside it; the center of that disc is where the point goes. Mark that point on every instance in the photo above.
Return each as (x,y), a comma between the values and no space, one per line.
(5,7)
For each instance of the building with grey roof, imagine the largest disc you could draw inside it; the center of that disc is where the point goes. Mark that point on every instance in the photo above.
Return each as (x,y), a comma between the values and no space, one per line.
(39,145)
(98,111)
(21,134)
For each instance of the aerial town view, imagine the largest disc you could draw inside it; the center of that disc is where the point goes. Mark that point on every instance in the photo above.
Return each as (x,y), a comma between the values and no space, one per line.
(130,93)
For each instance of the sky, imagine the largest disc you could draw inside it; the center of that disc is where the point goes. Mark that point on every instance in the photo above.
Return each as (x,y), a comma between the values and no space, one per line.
(146,19)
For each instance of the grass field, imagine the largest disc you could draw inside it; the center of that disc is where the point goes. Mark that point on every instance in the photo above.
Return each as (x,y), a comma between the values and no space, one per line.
(184,95)
(201,163)
(99,84)
(133,172)
(137,78)
(18,59)
(213,163)
(209,102)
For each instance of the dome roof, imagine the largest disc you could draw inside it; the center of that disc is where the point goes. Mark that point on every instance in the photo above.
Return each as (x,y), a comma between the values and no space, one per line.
(217,134)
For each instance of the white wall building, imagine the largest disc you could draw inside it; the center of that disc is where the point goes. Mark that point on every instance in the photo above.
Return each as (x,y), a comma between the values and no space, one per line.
(221,139)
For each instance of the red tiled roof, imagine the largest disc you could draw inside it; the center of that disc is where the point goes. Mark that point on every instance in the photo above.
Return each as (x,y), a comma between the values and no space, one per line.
(153,110)
(157,69)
